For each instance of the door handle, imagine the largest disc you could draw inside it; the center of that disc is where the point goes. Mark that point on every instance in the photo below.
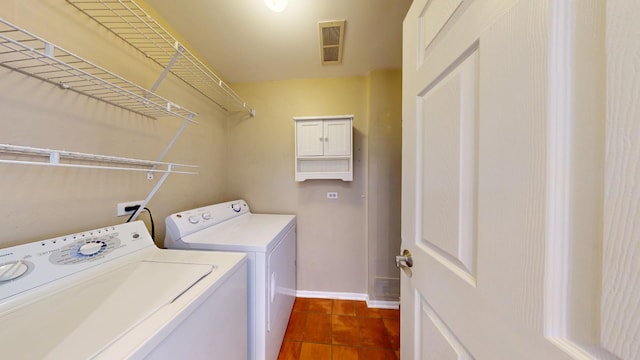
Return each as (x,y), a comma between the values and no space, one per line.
(405,259)
(405,262)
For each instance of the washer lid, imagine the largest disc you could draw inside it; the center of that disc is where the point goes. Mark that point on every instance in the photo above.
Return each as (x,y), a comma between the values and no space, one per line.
(80,321)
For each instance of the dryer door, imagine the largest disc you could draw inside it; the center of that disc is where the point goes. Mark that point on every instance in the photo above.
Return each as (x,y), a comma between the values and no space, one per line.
(281,290)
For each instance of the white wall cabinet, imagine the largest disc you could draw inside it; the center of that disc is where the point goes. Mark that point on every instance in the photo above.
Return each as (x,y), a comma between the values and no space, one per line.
(324,147)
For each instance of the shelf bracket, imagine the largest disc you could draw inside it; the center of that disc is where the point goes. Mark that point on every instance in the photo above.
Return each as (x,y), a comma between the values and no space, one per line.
(173,140)
(167,69)
(48,49)
(153,192)
(54,157)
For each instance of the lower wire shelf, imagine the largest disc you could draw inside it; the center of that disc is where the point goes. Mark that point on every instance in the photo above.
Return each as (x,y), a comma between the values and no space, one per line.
(25,155)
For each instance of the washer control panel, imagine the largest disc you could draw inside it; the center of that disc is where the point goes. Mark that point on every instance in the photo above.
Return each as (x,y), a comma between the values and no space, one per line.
(14,269)
(27,266)
(86,249)
(181,224)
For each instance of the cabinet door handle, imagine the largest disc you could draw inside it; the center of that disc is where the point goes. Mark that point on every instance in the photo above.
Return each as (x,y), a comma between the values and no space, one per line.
(321,138)
(326,139)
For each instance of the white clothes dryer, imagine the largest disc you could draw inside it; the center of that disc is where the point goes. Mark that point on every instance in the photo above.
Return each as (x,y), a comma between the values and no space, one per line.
(270,243)
(110,293)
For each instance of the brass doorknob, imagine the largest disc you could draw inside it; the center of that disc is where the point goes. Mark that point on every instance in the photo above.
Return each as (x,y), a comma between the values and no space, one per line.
(405,262)
(405,259)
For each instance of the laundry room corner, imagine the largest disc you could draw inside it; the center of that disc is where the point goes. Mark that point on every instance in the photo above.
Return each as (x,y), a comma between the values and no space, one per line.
(347,241)
(346,245)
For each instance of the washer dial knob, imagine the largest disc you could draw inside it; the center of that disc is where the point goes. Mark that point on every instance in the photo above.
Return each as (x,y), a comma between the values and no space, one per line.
(91,248)
(206,215)
(12,270)
(193,219)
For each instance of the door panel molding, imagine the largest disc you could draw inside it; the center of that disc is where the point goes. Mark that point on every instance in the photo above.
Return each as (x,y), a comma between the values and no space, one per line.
(575,181)
(432,332)
(439,12)
(442,14)
(448,152)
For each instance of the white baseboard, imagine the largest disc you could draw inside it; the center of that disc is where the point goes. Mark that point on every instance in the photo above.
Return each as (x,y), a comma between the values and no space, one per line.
(377,304)
(332,295)
(348,296)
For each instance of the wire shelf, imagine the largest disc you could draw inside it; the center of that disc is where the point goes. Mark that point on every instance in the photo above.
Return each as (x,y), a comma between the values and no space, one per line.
(25,155)
(29,54)
(132,24)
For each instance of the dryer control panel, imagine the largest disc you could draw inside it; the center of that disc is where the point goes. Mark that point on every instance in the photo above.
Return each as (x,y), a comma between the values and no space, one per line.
(181,224)
(27,266)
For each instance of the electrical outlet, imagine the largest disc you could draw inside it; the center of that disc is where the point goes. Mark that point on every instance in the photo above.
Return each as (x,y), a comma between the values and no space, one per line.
(121,206)
(332,195)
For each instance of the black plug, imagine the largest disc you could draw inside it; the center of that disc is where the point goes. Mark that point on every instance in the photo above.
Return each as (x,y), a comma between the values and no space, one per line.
(133,208)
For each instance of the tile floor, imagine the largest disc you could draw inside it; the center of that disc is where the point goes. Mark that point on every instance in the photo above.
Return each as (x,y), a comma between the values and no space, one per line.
(325,329)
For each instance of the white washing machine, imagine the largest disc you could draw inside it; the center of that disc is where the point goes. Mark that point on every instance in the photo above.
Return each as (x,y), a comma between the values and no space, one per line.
(270,243)
(110,293)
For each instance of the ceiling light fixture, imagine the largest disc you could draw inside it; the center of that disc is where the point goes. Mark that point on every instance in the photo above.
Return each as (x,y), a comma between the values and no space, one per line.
(276,5)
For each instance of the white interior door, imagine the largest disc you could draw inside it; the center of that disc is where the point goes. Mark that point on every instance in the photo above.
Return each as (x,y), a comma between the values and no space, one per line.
(521,170)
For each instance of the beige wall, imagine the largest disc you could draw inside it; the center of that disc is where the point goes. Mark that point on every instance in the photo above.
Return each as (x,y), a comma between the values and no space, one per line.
(42,202)
(332,245)
(338,250)
(344,245)
(385,151)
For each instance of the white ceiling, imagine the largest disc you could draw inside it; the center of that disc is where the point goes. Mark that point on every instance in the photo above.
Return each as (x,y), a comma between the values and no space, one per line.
(245,41)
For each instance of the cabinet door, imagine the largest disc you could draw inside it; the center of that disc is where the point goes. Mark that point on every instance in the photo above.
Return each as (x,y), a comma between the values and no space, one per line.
(309,138)
(337,137)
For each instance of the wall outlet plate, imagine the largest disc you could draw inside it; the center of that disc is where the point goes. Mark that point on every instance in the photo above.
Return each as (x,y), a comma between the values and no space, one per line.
(121,206)
(332,195)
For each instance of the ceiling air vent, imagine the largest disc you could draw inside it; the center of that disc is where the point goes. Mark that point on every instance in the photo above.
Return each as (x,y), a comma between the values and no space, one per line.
(331,40)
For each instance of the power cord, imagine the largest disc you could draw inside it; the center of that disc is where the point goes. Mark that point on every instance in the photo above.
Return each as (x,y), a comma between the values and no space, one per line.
(134,209)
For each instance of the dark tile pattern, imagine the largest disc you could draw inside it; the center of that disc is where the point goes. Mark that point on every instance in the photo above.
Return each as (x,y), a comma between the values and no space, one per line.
(325,329)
